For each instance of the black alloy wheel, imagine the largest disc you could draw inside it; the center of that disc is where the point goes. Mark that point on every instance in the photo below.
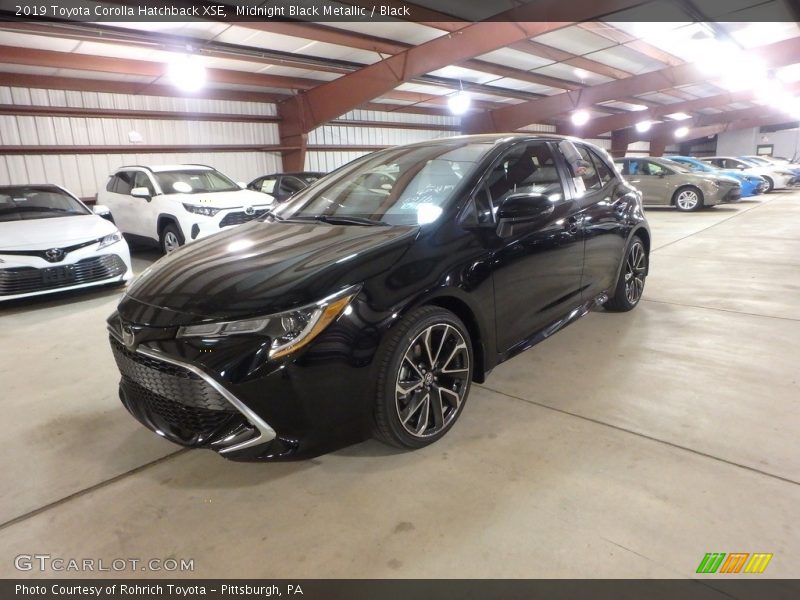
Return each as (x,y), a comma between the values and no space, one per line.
(424,379)
(630,285)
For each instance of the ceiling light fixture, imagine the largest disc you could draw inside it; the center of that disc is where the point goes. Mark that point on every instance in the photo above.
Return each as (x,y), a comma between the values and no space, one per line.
(459,102)
(681,132)
(580,117)
(186,72)
(643,126)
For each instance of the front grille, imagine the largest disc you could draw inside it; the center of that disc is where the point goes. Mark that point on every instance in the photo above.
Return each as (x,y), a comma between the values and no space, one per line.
(170,382)
(25,280)
(239,218)
(198,423)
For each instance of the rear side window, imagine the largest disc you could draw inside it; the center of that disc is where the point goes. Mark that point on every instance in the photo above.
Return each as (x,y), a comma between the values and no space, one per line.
(124,182)
(587,171)
(600,166)
(266,186)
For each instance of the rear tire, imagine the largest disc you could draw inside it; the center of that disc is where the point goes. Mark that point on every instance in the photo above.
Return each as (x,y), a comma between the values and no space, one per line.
(630,285)
(170,238)
(688,199)
(424,376)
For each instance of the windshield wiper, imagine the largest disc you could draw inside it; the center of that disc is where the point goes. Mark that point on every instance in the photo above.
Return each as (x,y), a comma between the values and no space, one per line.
(337,219)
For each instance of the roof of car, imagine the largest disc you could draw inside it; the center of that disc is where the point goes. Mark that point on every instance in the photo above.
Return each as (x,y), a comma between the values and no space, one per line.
(162,168)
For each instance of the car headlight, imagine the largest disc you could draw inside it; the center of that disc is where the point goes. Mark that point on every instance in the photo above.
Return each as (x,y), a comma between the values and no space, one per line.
(288,331)
(111,238)
(206,211)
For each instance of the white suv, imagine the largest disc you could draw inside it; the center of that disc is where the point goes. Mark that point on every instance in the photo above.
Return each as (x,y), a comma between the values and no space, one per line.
(175,204)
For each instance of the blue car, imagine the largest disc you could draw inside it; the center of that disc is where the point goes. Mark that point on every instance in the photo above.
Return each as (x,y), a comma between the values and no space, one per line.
(752,185)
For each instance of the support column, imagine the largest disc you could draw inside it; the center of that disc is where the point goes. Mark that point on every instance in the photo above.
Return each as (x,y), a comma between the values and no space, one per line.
(292,134)
(620,139)
(658,144)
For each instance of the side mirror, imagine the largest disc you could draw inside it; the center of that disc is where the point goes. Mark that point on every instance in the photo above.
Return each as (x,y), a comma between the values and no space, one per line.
(662,175)
(521,208)
(242,184)
(740,167)
(100,210)
(141,192)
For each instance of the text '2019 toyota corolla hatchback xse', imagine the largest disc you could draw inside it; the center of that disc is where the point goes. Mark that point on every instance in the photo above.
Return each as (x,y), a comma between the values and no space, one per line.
(369,302)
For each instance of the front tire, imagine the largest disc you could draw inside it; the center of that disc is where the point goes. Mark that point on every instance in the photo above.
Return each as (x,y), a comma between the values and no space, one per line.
(770,185)
(630,285)
(425,372)
(170,239)
(688,199)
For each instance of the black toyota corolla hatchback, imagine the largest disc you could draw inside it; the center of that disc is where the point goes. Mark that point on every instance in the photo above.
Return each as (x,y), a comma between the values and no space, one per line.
(368,303)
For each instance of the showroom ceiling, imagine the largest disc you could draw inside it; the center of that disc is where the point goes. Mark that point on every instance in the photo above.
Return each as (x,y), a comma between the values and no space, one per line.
(612,68)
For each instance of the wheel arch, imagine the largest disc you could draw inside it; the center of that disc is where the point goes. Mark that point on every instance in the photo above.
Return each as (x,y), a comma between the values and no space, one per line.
(463,311)
(686,186)
(165,219)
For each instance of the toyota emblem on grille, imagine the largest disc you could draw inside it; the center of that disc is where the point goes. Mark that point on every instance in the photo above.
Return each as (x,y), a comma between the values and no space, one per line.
(54,255)
(249,210)
(128,338)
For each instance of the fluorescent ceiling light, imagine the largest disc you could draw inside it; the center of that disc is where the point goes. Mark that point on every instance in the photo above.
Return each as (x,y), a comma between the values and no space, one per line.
(681,132)
(580,73)
(679,116)
(459,103)
(186,72)
(580,117)
(643,126)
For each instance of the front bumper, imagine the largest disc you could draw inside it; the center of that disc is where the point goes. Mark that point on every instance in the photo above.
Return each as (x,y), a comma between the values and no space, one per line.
(23,276)
(731,193)
(225,395)
(196,226)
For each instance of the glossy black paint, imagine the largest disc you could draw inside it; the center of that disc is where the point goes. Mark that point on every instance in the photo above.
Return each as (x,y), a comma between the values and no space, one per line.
(512,286)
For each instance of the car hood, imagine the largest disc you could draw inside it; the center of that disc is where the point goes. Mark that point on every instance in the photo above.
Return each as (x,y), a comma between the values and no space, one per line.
(235,199)
(41,234)
(261,268)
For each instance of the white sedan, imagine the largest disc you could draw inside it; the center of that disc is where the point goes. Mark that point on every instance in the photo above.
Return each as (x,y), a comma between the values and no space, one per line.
(50,241)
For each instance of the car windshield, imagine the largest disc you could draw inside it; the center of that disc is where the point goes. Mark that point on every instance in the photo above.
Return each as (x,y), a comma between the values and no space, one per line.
(194,182)
(32,202)
(401,186)
(696,167)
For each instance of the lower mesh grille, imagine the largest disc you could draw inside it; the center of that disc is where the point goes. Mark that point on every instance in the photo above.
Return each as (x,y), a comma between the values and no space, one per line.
(25,280)
(198,422)
(170,382)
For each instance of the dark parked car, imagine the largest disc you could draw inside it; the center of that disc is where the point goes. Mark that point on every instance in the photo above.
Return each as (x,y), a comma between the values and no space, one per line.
(355,310)
(282,186)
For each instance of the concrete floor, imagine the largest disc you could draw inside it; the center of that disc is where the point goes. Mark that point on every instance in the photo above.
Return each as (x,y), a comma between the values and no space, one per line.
(628,445)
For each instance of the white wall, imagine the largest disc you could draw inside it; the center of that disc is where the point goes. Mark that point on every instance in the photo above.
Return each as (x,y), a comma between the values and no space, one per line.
(744,141)
(342,134)
(85,174)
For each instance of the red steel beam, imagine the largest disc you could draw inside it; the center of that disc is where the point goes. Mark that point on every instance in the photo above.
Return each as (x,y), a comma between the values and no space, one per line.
(107,64)
(513,117)
(104,113)
(124,87)
(621,121)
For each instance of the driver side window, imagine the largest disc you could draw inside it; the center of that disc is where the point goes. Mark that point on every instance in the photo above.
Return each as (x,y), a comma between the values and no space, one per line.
(654,169)
(528,168)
